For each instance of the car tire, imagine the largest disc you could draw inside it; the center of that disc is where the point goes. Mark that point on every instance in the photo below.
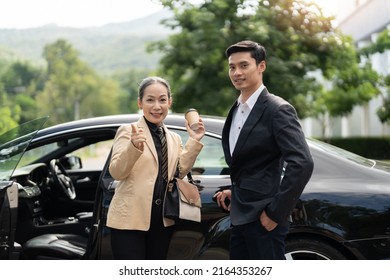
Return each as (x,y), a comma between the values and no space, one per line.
(310,249)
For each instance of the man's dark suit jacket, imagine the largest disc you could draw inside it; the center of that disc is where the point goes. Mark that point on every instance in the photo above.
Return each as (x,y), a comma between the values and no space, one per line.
(270,136)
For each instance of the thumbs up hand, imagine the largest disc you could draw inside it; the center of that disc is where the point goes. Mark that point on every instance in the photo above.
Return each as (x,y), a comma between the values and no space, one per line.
(137,137)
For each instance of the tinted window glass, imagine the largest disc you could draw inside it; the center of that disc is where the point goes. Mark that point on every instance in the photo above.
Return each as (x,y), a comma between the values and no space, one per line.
(211,160)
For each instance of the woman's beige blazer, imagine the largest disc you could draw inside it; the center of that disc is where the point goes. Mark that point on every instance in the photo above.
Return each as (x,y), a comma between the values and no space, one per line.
(137,171)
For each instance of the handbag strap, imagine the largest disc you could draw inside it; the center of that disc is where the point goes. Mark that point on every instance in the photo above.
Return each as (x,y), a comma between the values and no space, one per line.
(189,174)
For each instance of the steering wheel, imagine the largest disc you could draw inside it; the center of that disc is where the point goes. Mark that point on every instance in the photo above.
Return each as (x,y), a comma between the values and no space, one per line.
(62,179)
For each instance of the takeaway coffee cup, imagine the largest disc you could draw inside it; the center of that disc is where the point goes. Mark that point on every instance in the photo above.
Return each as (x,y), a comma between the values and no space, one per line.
(192,117)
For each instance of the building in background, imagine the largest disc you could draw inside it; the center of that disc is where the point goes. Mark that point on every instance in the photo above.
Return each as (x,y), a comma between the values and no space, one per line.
(363,20)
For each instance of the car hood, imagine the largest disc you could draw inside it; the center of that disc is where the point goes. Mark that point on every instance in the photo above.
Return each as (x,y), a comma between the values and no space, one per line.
(13,144)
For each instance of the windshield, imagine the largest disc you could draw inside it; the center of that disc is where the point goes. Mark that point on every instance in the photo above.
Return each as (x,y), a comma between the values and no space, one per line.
(13,143)
(330,149)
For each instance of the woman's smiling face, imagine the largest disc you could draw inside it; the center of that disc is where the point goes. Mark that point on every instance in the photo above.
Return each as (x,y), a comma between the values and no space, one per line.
(155,103)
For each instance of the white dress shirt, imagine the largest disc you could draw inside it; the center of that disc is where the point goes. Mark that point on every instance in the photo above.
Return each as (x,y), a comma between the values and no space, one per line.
(240,115)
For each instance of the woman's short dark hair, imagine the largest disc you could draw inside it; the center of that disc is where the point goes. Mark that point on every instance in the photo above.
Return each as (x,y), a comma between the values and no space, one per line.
(257,51)
(152,80)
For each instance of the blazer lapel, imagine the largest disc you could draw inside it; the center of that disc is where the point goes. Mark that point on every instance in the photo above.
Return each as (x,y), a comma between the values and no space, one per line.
(149,139)
(226,131)
(253,118)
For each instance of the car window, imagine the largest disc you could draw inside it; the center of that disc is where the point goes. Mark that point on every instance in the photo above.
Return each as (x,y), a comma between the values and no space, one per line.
(33,155)
(330,149)
(211,159)
(14,143)
(94,156)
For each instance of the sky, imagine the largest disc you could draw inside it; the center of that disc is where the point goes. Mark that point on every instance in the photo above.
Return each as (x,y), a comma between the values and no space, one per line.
(85,13)
(72,13)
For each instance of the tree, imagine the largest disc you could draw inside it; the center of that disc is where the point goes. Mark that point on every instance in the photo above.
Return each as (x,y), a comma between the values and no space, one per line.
(299,40)
(381,45)
(22,81)
(7,120)
(129,81)
(72,89)
(9,114)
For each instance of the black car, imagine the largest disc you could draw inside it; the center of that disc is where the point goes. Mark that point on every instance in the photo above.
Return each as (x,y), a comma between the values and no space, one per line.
(64,189)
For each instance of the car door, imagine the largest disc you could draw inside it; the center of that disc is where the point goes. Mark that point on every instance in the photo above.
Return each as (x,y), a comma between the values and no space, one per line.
(84,167)
(82,154)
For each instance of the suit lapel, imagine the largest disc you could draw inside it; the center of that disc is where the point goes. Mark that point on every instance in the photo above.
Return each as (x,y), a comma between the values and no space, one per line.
(226,131)
(253,118)
(149,139)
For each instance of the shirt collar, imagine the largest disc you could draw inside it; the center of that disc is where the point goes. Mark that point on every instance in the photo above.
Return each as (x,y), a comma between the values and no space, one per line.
(152,127)
(252,99)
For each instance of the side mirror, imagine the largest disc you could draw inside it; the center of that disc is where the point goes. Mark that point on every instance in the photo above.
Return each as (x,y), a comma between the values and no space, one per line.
(71,162)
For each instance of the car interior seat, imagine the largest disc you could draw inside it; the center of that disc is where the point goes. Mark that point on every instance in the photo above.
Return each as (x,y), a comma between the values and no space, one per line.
(71,246)
(55,246)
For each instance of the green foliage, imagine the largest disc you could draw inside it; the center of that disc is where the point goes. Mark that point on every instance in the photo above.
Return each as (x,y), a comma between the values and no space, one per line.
(72,88)
(297,36)
(68,89)
(299,40)
(369,147)
(18,82)
(193,59)
(381,44)
(355,86)
(6,56)
(22,81)
(6,120)
(129,81)
(9,114)
(384,111)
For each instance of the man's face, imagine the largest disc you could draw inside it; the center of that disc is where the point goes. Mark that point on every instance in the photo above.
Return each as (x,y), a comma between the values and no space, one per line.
(245,75)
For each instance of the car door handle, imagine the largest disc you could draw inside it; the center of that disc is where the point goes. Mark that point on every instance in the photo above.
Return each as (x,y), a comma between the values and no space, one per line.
(83,180)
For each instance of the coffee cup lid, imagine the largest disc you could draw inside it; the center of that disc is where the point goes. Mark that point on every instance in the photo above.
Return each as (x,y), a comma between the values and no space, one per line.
(191,109)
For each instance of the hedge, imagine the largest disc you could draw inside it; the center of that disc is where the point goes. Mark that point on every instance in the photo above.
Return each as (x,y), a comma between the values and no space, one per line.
(369,147)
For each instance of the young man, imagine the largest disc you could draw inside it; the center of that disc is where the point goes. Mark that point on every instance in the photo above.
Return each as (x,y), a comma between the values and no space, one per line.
(261,133)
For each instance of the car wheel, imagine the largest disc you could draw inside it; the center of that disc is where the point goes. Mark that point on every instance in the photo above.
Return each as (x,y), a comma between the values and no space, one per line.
(310,249)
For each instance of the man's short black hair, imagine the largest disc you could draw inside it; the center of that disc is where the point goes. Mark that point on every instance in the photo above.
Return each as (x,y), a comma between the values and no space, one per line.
(257,51)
